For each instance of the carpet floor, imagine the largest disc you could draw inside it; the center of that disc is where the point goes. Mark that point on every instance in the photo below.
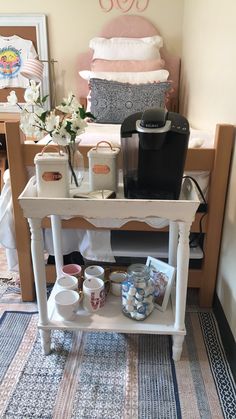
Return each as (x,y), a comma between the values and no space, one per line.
(110,375)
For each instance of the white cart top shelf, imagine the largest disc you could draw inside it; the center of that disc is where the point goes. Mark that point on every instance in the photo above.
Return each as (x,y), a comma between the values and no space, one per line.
(183,209)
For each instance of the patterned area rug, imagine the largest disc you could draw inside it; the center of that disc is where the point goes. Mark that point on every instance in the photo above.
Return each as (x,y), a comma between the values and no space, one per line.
(7,279)
(110,375)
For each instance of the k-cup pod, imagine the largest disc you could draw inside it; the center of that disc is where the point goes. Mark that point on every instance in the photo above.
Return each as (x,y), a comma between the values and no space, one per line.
(93,294)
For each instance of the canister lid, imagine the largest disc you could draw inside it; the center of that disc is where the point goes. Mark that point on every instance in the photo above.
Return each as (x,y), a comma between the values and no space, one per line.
(50,157)
(107,153)
(104,148)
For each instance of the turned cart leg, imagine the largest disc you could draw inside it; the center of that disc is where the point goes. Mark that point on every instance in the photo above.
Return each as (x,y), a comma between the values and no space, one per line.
(37,250)
(45,341)
(173,243)
(177,346)
(183,252)
(57,243)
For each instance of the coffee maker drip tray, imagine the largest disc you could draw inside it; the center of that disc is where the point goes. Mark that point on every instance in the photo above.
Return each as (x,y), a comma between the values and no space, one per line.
(134,191)
(144,194)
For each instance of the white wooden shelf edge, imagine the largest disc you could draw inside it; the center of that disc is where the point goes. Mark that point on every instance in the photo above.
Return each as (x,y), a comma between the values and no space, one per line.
(111,318)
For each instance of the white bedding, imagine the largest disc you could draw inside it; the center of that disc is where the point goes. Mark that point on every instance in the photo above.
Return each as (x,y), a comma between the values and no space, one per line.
(87,242)
(111,132)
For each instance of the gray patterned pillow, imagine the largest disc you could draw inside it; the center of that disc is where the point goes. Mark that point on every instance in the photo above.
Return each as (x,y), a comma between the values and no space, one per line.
(112,101)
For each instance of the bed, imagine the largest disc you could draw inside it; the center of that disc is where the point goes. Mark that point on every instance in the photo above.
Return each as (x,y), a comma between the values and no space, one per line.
(214,157)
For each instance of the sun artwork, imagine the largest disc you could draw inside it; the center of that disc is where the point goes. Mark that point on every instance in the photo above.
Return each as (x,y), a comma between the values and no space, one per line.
(10,61)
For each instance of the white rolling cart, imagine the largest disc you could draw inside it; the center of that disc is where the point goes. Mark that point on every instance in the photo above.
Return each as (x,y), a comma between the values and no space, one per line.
(179,214)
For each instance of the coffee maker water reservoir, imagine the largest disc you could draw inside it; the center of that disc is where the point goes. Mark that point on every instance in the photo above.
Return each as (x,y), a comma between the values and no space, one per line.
(154,145)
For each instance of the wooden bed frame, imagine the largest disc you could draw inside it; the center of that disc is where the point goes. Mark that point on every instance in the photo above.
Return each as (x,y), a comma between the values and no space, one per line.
(216,161)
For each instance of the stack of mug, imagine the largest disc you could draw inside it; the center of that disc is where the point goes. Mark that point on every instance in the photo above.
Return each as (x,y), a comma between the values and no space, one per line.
(90,288)
(94,288)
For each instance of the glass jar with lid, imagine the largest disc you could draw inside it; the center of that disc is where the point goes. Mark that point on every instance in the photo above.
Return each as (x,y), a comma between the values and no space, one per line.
(137,292)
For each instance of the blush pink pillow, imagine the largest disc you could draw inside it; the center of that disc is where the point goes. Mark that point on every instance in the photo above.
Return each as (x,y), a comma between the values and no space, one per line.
(127,65)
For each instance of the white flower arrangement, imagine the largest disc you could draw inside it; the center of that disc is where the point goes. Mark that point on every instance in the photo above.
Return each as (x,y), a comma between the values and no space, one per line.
(63,124)
(36,122)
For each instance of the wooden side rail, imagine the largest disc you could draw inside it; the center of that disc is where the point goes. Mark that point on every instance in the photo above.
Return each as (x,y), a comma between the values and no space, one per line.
(224,140)
(3,157)
(19,178)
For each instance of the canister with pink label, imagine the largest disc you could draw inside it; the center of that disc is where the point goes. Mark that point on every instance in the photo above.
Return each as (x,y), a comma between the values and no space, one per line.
(103,170)
(52,174)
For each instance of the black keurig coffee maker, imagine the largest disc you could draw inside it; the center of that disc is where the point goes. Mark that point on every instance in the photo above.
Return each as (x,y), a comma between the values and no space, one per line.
(154,145)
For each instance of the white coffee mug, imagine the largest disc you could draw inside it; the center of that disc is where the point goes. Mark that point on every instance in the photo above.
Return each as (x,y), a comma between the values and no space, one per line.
(116,279)
(68,282)
(73,269)
(94,271)
(67,303)
(93,294)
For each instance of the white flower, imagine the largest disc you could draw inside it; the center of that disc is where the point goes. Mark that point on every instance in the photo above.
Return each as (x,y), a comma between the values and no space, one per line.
(12,98)
(32,92)
(61,136)
(52,121)
(38,110)
(35,121)
(27,125)
(69,104)
(77,124)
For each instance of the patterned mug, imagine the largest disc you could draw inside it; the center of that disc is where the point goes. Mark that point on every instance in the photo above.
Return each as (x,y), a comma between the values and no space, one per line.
(93,294)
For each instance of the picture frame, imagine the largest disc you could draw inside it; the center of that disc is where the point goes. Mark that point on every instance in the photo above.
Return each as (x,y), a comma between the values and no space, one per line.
(32,27)
(163,276)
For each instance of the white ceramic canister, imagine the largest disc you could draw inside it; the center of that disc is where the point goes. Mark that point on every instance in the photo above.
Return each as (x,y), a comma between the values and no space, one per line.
(52,174)
(103,171)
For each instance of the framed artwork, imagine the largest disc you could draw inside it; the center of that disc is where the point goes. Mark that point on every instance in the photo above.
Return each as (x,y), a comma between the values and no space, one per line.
(29,29)
(162,275)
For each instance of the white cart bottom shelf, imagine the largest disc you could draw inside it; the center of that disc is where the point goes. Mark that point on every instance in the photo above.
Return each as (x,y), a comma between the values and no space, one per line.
(111,319)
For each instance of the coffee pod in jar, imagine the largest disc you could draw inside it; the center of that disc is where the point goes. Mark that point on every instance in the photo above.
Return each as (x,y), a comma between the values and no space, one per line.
(137,292)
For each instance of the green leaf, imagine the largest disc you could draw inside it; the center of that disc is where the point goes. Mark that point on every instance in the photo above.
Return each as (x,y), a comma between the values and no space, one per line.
(43,116)
(82,112)
(90,115)
(44,98)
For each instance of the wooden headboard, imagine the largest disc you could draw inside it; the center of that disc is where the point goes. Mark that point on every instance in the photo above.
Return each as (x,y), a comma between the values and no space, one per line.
(134,27)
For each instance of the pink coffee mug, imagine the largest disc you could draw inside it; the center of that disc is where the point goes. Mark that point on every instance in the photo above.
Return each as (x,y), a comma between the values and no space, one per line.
(74,270)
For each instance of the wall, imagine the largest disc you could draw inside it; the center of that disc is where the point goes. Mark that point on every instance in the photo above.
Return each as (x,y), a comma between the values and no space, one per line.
(208,97)
(72,23)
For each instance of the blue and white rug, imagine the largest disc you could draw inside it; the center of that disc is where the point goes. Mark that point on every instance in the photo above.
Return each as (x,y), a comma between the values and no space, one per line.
(111,375)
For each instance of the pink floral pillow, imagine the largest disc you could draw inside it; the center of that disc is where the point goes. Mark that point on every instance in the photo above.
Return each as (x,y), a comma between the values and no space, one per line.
(127,65)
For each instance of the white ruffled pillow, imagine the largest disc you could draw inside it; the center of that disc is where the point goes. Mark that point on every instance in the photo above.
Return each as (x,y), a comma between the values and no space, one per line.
(126,48)
(127,77)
